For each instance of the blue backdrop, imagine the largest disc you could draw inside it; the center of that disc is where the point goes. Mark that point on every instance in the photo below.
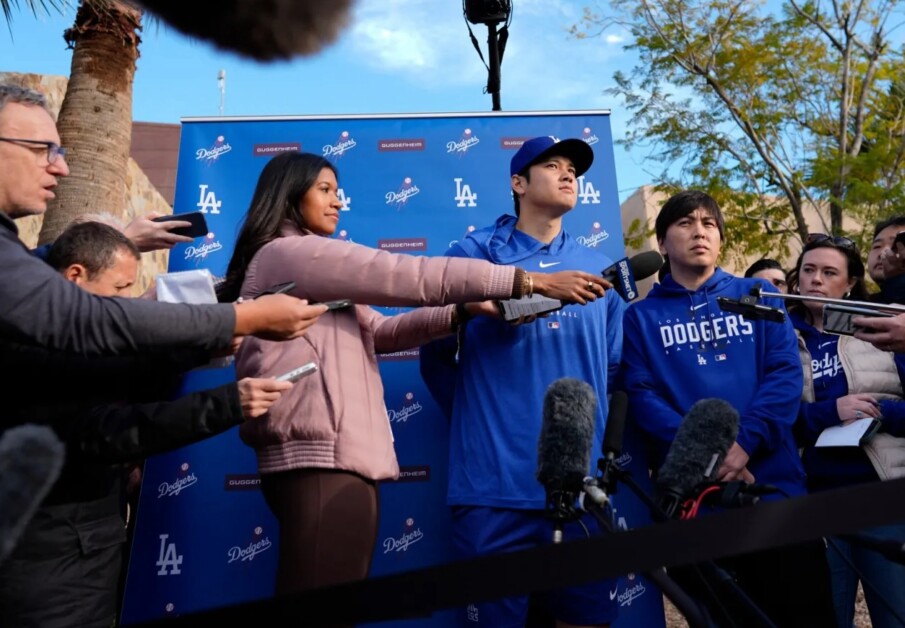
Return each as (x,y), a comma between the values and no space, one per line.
(412,184)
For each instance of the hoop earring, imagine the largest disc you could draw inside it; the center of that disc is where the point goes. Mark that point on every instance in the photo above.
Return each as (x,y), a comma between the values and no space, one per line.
(847,294)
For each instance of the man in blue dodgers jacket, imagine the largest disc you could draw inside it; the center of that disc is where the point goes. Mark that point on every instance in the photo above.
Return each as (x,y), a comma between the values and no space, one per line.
(503,374)
(680,347)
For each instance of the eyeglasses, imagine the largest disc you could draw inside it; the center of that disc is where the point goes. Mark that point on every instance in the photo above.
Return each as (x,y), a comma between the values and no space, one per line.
(53,150)
(837,240)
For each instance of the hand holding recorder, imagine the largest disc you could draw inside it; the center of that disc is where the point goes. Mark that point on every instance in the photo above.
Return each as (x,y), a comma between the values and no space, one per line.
(257,394)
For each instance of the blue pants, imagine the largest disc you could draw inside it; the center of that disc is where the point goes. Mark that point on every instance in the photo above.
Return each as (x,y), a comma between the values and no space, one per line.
(478,531)
(883,578)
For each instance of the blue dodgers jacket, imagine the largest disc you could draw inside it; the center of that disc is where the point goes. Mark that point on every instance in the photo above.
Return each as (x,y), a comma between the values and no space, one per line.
(504,371)
(680,347)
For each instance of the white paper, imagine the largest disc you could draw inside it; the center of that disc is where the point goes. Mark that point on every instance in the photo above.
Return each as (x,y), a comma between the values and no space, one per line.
(190,286)
(845,435)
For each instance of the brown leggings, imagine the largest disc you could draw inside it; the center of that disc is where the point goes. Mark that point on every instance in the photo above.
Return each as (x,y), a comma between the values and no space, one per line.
(328,526)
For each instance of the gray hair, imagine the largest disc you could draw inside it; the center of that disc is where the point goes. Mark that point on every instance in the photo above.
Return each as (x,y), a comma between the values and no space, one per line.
(105,218)
(22,95)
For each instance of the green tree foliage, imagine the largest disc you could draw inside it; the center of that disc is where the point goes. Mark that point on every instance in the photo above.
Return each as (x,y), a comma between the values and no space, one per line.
(772,110)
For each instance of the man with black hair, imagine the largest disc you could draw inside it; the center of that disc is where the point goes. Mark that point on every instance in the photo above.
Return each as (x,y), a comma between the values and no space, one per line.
(886,261)
(65,570)
(770,270)
(503,372)
(681,347)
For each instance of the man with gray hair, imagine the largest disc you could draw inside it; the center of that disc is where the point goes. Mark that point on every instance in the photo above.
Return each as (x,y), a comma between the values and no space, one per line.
(38,306)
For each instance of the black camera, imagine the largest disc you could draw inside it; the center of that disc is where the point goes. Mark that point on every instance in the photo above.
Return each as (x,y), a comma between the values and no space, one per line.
(487,11)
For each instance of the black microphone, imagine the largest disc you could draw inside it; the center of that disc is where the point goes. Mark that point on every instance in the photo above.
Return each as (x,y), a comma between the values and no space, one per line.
(564,447)
(31,458)
(623,273)
(697,452)
(599,488)
(262,31)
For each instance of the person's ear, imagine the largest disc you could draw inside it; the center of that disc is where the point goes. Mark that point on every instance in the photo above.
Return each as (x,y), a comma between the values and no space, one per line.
(518,185)
(76,273)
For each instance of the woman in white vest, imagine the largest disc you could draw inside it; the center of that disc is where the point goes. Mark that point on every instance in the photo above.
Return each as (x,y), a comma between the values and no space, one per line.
(847,380)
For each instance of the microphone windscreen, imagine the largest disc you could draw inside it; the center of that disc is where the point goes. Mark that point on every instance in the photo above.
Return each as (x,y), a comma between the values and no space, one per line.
(31,458)
(615,424)
(567,433)
(265,31)
(702,440)
(646,264)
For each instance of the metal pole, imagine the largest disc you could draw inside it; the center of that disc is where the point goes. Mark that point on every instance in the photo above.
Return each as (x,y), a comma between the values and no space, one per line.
(493,79)
(881,307)
(221,84)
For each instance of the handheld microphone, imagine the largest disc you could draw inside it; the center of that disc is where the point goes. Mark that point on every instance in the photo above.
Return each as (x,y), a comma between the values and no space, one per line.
(31,458)
(623,273)
(564,447)
(701,443)
(599,488)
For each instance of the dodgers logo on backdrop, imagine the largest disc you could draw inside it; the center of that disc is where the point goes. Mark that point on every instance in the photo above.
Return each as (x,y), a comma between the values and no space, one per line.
(199,252)
(464,196)
(345,200)
(587,193)
(594,238)
(210,155)
(588,136)
(207,200)
(184,480)
(462,145)
(338,149)
(342,234)
(169,559)
(410,535)
(402,413)
(401,196)
(467,231)
(633,590)
(258,543)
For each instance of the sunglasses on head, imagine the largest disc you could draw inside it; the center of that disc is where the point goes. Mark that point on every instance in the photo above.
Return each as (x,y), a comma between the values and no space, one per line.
(837,240)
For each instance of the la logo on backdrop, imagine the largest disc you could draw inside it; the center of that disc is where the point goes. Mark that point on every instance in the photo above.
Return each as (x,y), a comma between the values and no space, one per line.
(204,536)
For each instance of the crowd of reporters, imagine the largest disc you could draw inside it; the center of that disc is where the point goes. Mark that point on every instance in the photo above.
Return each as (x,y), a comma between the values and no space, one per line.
(114,363)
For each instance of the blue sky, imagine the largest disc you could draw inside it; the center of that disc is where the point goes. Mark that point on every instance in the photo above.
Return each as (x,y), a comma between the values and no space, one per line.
(396,56)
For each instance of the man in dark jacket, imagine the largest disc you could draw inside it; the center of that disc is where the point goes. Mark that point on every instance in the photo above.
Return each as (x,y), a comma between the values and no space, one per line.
(66,568)
(38,307)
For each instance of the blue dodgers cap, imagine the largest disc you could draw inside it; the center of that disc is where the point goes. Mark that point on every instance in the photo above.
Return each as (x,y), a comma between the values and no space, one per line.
(538,148)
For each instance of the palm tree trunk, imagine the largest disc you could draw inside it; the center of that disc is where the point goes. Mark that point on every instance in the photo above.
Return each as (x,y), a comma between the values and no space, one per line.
(95,121)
